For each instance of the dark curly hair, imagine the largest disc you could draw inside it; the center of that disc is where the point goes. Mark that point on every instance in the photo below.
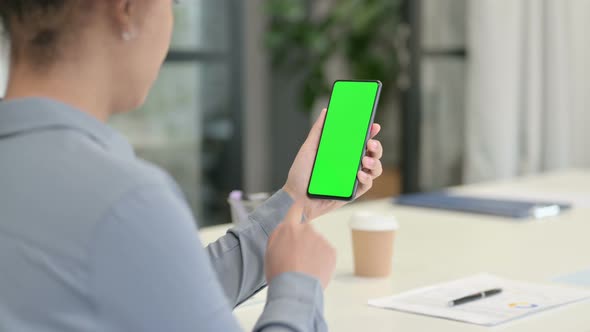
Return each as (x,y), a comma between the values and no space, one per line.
(37,28)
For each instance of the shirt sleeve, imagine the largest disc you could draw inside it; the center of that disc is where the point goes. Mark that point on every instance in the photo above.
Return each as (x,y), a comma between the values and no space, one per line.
(238,257)
(149,272)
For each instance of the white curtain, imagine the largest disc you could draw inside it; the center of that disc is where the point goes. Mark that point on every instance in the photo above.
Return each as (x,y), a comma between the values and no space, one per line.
(528,98)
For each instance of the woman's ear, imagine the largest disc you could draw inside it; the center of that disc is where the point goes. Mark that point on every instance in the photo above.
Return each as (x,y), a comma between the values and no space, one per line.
(124,15)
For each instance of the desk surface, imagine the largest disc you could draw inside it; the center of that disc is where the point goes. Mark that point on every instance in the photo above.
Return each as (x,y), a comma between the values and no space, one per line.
(434,246)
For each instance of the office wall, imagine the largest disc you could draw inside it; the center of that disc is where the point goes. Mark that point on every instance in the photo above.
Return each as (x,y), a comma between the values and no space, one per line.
(275,128)
(289,125)
(256,144)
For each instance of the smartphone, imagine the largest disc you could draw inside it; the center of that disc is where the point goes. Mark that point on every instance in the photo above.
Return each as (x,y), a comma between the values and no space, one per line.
(342,145)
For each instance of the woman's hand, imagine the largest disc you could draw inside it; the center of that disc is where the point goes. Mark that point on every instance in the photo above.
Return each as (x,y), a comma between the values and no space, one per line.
(296,247)
(300,172)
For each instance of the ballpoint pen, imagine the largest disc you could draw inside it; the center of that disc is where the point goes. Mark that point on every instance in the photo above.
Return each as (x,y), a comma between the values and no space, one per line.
(475,297)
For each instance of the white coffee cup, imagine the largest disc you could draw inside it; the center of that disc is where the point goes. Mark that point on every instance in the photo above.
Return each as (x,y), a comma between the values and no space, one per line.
(372,242)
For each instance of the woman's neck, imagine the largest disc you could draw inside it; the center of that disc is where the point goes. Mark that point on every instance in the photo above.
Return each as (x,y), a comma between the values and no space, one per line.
(76,88)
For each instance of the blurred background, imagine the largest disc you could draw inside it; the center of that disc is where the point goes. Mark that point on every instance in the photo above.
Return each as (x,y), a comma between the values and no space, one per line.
(473,90)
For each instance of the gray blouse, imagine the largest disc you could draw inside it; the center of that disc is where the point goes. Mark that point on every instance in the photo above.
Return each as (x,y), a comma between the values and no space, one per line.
(94,239)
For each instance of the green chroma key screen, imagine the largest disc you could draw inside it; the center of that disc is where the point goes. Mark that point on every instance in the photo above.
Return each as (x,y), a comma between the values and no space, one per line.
(342,144)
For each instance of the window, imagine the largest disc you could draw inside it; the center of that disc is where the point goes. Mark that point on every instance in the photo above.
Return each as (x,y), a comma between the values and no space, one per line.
(190,124)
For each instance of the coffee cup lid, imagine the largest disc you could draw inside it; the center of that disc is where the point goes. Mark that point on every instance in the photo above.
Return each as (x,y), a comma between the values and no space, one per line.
(368,221)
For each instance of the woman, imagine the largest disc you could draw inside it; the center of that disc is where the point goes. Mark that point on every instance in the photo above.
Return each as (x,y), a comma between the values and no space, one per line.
(93,238)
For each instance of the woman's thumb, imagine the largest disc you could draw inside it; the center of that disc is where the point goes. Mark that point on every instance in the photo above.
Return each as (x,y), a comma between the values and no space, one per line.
(295,213)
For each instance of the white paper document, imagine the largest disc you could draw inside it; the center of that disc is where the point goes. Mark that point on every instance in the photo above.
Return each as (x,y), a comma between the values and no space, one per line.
(518,299)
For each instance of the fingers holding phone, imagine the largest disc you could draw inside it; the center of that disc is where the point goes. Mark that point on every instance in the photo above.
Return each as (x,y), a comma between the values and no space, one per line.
(329,165)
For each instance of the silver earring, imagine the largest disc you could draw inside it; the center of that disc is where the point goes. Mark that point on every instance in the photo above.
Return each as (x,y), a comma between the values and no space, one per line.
(127,36)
